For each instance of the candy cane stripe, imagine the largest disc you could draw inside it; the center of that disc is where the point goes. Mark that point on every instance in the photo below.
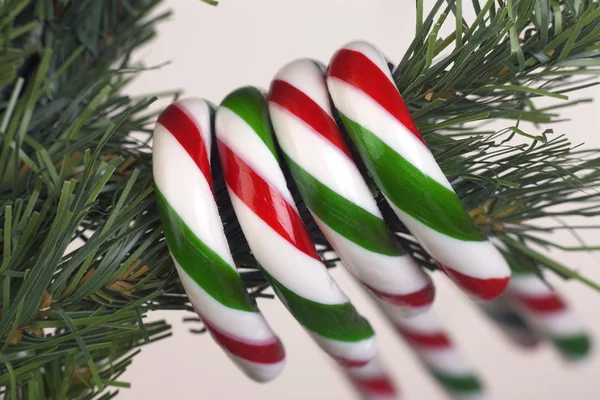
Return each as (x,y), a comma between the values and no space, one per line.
(334,190)
(379,124)
(425,336)
(264,200)
(348,327)
(203,265)
(448,216)
(276,235)
(303,107)
(353,222)
(266,353)
(544,304)
(197,244)
(547,313)
(372,381)
(178,122)
(369,78)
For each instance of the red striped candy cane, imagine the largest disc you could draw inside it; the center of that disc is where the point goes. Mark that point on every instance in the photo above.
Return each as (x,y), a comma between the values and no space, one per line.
(397,157)
(276,234)
(425,335)
(194,232)
(549,314)
(335,192)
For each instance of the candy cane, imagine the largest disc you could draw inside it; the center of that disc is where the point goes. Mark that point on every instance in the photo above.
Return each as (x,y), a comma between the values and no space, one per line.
(509,322)
(548,313)
(335,192)
(391,147)
(425,335)
(276,234)
(194,232)
(372,381)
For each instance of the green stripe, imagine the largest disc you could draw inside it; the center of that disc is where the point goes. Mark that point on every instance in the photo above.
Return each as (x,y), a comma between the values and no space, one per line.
(337,322)
(466,383)
(575,346)
(411,190)
(250,105)
(203,265)
(343,216)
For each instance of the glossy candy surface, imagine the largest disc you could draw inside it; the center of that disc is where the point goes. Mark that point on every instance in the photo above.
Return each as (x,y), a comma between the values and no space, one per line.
(335,192)
(403,167)
(276,234)
(194,232)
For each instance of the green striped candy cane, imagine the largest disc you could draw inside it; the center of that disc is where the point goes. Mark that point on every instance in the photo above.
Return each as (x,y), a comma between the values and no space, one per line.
(396,155)
(192,226)
(276,234)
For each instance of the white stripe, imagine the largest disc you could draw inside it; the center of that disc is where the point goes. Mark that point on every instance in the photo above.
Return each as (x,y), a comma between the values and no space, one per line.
(258,371)
(447,361)
(560,325)
(362,350)
(199,112)
(425,324)
(476,259)
(398,275)
(297,271)
(362,109)
(306,76)
(529,285)
(187,192)
(373,54)
(321,159)
(245,325)
(234,132)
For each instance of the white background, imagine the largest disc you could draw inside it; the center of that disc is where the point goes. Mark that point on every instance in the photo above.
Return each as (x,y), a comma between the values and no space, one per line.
(214,50)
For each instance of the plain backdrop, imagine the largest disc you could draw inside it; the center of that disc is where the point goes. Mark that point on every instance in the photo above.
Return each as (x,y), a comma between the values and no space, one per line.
(213,50)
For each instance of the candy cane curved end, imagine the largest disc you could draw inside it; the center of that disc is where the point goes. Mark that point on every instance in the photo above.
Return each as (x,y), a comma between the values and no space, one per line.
(394,152)
(335,192)
(197,243)
(276,234)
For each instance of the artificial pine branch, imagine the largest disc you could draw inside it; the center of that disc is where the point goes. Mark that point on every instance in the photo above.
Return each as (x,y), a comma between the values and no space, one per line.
(83,256)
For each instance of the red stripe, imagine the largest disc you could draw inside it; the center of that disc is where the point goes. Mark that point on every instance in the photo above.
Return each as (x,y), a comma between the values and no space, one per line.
(268,353)
(379,386)
(548,303)
(437,340)
(485,289)
(419,298)
(303,107)
(265,201)
(346,362)
(188,134)
(358,70)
